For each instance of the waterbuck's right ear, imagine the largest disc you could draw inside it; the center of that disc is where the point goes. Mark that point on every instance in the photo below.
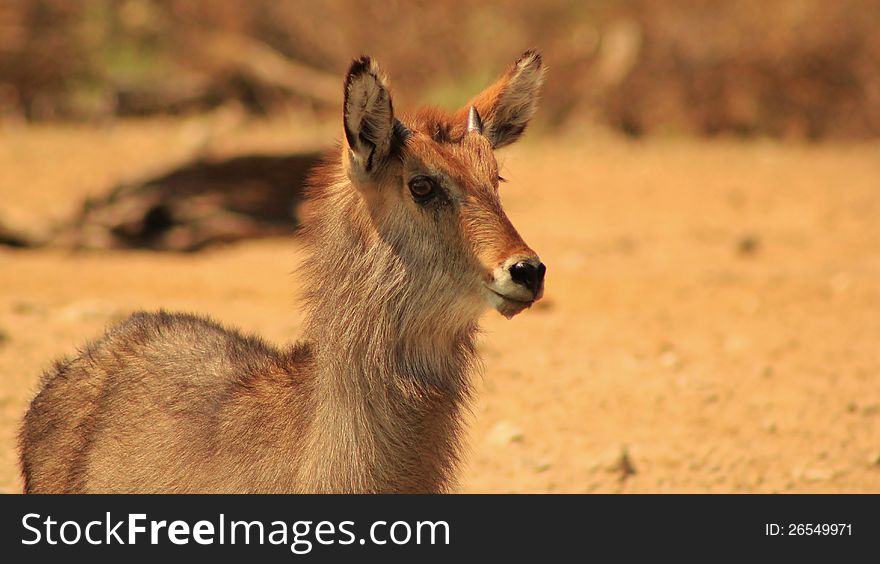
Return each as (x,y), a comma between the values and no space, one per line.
(368,118)
(507,105)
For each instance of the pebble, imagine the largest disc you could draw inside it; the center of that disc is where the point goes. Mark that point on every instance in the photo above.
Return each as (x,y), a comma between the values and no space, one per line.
(543,466)
(504,433)
(840,283)
(736,344)
(813,474)
(623,465)
(87,310)
(669,359)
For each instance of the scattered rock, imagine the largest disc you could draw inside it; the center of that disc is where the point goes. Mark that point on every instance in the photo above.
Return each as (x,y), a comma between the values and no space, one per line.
(669,359)
(28,308)
(840,283)
(625,245)
(88,309)
(505,433)
(624,465)
(736,344)
(814,474)
(748,245)
(543,466)
(750,304)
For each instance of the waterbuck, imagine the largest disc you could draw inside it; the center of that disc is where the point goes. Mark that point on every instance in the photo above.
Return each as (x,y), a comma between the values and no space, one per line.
(409,245)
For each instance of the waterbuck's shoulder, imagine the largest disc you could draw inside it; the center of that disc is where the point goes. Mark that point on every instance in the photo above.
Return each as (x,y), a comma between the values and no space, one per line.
(191,348)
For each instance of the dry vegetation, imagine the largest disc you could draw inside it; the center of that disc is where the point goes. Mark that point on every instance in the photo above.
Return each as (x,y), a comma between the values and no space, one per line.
(789,68)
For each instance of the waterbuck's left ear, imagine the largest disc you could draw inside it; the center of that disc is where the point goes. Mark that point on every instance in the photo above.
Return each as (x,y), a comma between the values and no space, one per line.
(368,118)
(507,105)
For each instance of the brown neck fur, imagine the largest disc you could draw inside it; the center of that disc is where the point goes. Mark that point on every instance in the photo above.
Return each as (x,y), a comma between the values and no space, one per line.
(392,354)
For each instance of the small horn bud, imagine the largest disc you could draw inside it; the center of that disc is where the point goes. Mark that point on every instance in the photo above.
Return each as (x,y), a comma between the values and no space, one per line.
(474,123)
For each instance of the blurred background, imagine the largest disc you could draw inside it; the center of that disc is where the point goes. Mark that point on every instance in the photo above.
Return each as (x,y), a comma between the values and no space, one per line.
(802,69)
(702,180)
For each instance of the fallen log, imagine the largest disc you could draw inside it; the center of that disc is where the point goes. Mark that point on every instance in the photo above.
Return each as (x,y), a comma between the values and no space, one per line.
(200,204)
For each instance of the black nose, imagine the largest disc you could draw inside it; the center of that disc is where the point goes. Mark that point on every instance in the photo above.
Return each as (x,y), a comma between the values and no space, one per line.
(529,275)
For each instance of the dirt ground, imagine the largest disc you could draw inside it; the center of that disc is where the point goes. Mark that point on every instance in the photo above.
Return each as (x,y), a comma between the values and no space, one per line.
(711,320)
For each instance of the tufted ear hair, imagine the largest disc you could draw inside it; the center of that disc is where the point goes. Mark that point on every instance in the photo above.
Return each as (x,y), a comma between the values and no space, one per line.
(368,119)
(506,106)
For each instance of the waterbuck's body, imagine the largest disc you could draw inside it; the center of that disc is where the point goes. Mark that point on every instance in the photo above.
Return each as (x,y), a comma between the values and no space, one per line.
(409,245)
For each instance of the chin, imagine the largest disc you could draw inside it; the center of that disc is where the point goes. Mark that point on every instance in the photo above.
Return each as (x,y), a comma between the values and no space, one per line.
(506,306)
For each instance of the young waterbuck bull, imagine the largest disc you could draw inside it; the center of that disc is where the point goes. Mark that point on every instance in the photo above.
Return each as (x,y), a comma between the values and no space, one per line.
(409,245)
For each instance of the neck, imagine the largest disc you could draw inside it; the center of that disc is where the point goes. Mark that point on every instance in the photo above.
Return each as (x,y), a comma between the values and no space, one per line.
(391,366)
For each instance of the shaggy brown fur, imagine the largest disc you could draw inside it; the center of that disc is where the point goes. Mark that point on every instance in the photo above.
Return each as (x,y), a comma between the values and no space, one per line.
(371,399)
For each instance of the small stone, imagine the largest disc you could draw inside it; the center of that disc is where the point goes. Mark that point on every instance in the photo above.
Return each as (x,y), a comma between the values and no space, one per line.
(28,308)
(840,283)
(504,433)
(750,304)
(623,465)
(813,474)
(543,466)
(88,310)
(736,344)
(748,244)
(669,359)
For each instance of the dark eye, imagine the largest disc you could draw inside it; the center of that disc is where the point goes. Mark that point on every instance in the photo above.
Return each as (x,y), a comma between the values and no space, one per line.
(422,188)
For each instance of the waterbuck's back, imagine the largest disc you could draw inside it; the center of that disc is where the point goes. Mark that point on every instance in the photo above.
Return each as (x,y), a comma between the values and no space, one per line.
(167,402)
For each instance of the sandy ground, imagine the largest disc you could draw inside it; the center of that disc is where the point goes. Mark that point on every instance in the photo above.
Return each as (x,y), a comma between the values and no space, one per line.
(711,320)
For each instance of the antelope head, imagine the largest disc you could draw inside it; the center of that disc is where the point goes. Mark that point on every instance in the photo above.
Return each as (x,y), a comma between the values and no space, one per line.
(430,182)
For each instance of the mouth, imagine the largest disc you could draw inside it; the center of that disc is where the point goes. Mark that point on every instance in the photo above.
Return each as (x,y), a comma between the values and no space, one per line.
(506,305)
